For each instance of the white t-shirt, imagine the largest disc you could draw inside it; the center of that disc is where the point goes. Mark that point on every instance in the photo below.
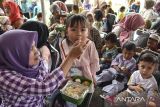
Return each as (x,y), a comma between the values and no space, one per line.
(150,84)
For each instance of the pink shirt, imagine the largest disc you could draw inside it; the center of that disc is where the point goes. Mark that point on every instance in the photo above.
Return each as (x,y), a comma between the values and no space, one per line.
(88,61)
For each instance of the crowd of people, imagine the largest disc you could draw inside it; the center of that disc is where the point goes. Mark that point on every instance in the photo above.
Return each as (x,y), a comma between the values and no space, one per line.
(119,50)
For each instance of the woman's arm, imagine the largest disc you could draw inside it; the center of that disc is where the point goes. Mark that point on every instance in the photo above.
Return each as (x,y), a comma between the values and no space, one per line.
(16,83)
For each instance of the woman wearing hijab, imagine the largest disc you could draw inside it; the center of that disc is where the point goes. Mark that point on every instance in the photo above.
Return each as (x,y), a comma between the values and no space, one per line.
(13,12)
(24,77)
(43,43)
(130,23)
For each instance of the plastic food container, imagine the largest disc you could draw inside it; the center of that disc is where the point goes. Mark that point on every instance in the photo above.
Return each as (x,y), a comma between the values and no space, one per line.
(76,90)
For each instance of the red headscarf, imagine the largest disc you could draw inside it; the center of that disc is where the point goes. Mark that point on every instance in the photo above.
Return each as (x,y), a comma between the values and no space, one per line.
(129,24)
(14,14)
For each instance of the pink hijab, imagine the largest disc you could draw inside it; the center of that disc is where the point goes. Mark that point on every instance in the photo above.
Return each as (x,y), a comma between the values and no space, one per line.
(131,23)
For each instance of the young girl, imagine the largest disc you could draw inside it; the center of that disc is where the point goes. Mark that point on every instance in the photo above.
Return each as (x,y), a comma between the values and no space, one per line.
(88,63)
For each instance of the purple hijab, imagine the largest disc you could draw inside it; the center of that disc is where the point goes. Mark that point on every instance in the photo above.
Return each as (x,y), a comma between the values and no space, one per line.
(15,47)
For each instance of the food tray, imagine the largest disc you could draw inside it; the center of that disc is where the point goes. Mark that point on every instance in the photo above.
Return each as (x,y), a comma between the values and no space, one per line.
(75,92)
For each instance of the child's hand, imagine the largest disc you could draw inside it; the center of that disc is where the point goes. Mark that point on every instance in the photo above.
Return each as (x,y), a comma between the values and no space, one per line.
(138,88)
(139,49)
(124,70)
(103,48)
(77,49)
(117,68)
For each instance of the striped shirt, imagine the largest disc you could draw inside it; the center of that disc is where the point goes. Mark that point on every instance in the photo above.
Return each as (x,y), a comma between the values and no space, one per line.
(122,62)
(20,91)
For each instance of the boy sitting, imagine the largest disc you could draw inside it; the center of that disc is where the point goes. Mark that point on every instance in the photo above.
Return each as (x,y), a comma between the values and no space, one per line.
(152,43)
(142,86)
(109,51)
(121,68)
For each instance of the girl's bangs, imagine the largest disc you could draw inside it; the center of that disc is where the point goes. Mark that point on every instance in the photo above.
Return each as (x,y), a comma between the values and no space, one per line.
(75,20)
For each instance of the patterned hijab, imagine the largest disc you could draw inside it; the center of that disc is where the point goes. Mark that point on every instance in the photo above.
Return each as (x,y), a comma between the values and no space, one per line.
(15,46)
(41,28)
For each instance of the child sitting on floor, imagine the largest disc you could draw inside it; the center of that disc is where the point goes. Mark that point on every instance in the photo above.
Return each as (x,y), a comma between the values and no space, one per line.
(121,68)
(142,84)
(109,51)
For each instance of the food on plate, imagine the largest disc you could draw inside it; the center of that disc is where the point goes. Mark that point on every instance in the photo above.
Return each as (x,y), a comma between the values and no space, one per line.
(78,80)
(86,83)
(75,91)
